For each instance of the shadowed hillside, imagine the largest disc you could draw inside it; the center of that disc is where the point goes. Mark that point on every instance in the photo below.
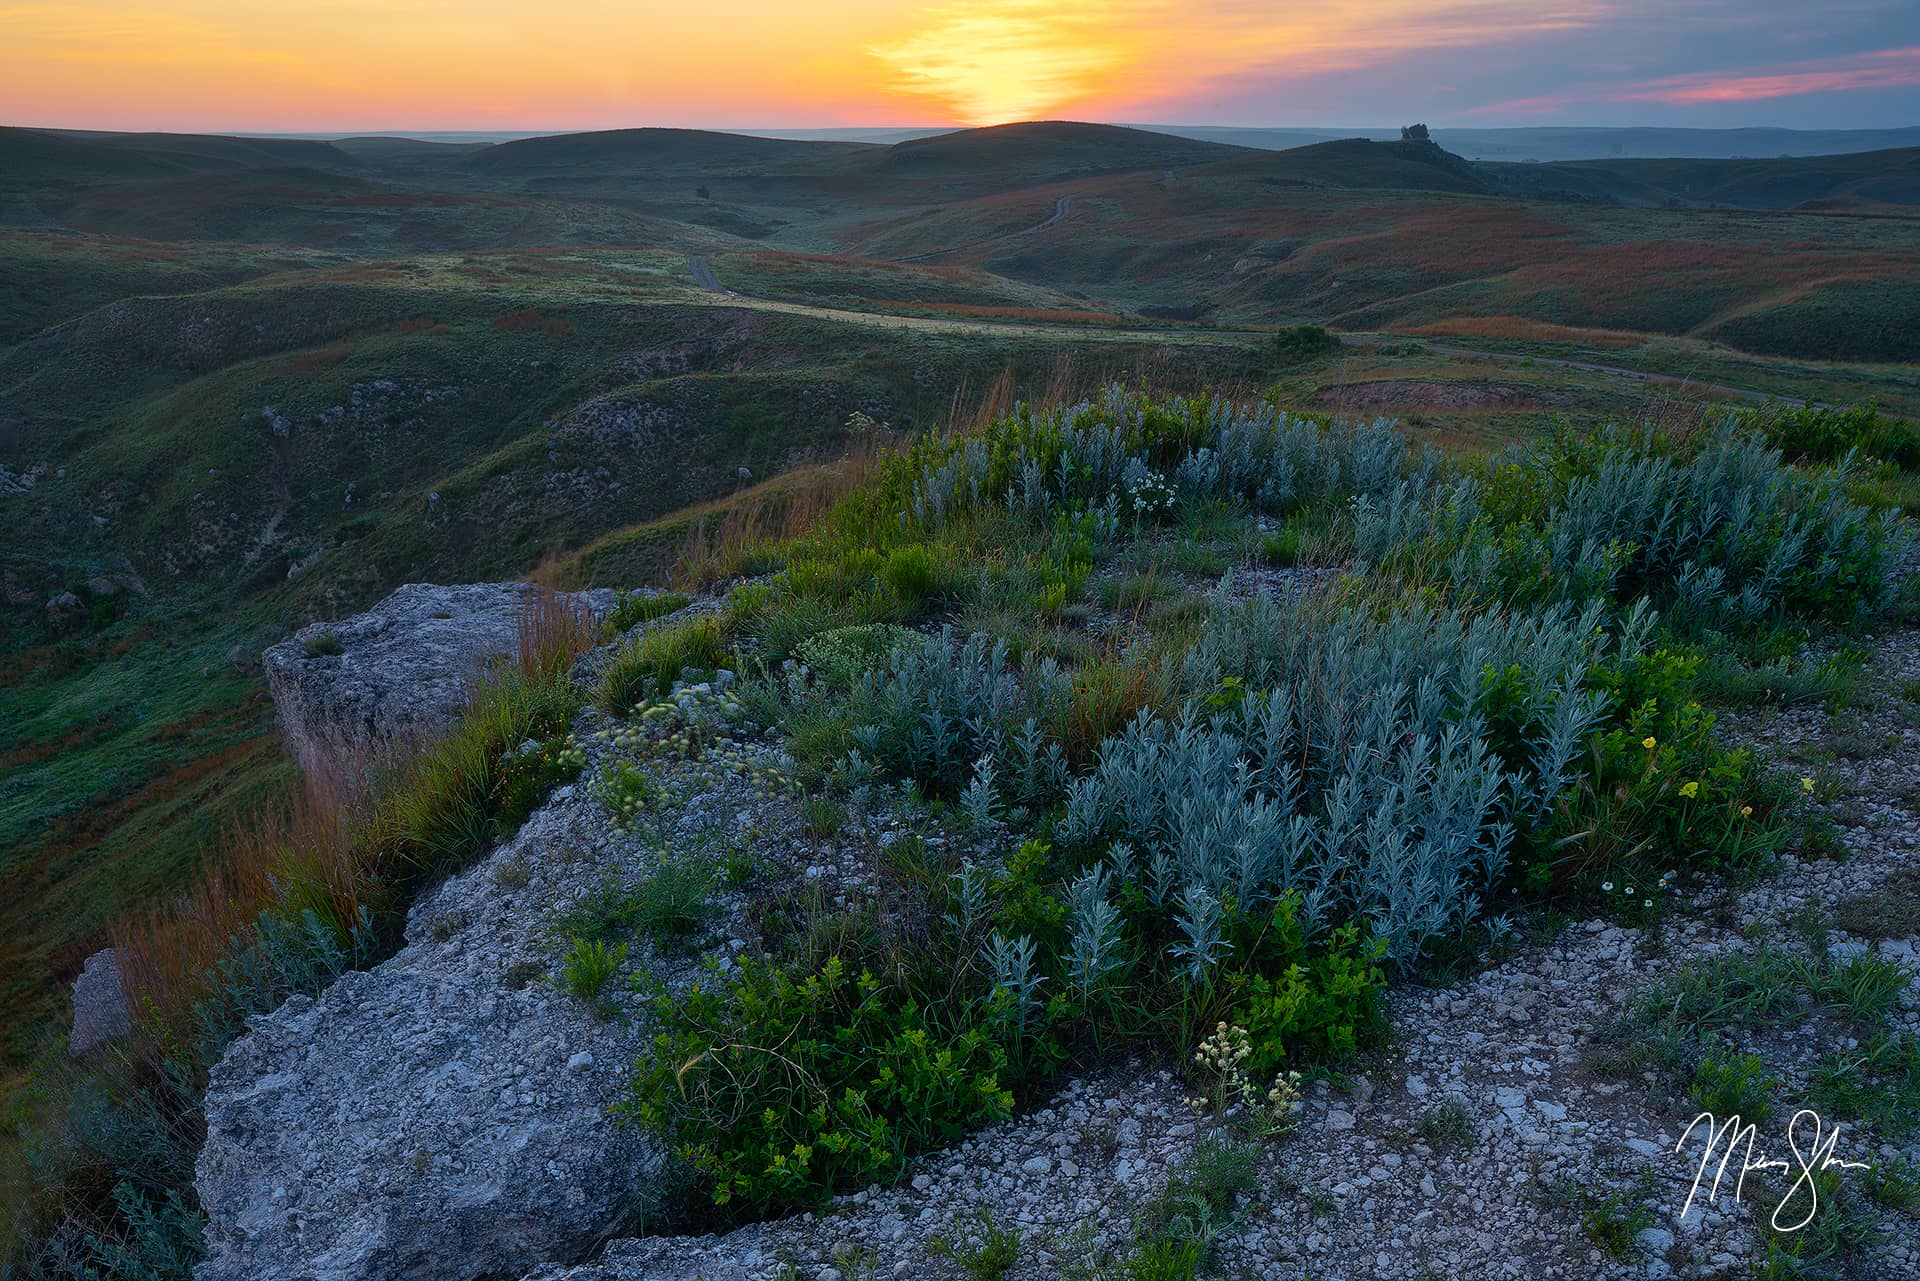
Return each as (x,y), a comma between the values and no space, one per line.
(653,151)
(1865,180)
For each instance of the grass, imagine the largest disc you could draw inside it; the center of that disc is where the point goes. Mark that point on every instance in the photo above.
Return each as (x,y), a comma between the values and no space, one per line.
(588,966)
(1891,911)
(987,1253)
(1733,1085)
(650,664)
(1614,1221)
(1446,1125)
(671,904)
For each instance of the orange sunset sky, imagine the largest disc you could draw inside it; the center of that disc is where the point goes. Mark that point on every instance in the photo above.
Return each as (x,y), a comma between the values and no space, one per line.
(293,65)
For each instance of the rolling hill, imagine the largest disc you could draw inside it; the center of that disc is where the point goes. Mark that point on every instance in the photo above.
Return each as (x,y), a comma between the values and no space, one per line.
(1046,150)
(653,152)
(1862,180)
(28,155)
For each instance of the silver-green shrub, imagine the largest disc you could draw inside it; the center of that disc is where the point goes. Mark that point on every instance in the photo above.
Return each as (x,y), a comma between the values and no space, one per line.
(1356,768)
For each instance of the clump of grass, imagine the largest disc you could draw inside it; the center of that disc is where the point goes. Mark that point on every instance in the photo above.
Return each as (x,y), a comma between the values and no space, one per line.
(988,1253)
(630,609)
(1877,1083)
(1132,593)
(1615,1220)
(1447,1124)
(651,663)
(323,645)
(1892,911)
(588,966)
(1176,1232)
(824,816)
(671,904)
(1730,1085)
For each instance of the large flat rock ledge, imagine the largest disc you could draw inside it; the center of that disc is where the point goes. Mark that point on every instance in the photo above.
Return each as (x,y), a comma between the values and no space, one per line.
(347,693)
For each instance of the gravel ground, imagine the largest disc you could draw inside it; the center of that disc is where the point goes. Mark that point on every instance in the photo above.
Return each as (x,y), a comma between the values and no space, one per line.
(1477,1145)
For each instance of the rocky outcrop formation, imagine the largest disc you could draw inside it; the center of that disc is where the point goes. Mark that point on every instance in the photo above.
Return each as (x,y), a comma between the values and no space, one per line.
(444,1115)
(348,693)
(99,1003)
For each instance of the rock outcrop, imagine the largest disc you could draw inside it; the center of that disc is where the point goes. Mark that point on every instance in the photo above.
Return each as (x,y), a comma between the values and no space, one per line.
(443,1115)
(347,693)
(100,1010)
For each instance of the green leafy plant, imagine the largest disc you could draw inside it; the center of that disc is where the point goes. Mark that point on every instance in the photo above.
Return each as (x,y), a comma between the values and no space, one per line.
(782,1085)
(529,773)
(626,792)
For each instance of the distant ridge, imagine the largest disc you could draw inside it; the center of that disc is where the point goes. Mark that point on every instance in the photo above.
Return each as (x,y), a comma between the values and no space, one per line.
(1556,142)
(37,153)
(1862,180)
(1057,147)
(1361,162)
(683,150)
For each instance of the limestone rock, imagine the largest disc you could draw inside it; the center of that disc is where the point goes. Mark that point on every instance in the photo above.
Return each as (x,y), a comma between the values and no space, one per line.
(348,692)
(100,1010)
(443,1115)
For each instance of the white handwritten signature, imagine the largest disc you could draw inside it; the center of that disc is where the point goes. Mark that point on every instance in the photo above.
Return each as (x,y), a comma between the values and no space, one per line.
(1727,1139)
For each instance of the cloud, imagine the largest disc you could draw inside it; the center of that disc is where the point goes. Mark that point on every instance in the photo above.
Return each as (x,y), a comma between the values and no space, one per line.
(1882,69)
(1875,69)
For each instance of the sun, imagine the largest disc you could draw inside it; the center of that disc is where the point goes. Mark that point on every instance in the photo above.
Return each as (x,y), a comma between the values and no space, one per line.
(1008,60)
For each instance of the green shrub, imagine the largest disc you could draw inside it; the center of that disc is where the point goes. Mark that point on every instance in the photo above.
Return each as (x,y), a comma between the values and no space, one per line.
(1320,1009)
(1824,435)
(1295,343)
(1713,529)
(839,657)
(322,645)
(783,1085)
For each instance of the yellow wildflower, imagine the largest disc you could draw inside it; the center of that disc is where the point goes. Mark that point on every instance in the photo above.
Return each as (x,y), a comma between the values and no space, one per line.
(1690,790)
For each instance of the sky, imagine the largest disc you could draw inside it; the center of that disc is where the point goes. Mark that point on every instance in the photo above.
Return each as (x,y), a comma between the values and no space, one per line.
(345,65)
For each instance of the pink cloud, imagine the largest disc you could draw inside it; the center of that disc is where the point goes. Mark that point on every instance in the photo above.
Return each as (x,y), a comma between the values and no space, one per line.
(1881,69)
(1885,69)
